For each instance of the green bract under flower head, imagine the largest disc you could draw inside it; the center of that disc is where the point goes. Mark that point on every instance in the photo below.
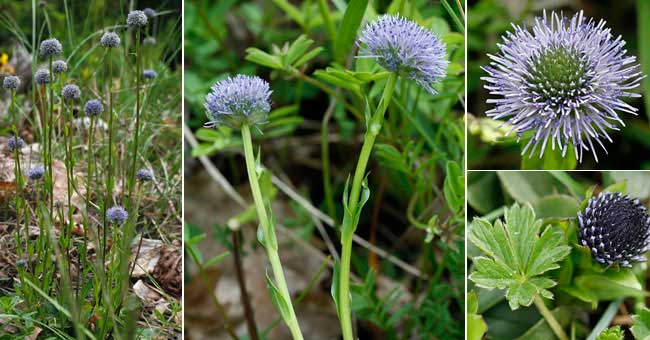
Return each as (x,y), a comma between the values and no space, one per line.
(237,101)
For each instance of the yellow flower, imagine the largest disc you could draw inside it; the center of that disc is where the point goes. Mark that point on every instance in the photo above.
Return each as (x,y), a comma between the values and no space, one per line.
(4,64)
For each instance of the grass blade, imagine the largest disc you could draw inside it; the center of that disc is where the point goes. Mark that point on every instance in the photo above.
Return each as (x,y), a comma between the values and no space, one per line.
(454,15)
(348,28)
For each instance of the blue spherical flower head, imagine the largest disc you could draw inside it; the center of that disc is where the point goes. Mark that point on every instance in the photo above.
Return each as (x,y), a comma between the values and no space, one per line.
(117,215)
(93,108)
(42,77)
(110,39)
(11,83)
(564,80)
(50,47)
(404,47)
(238,100)
(144,175)
(36,173)
(149,74)
(136,19)
(14,143)
(59,66)
(149,12)
(71,92)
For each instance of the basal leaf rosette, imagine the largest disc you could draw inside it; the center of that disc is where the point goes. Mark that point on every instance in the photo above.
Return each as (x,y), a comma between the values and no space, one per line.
(516,255)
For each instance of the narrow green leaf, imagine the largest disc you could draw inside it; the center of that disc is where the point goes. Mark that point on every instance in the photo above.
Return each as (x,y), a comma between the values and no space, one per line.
(334,290)
(277,298)
(258,56)
(454,16)
(215,260)
(308,56)
(641,327)
(292,11)
(348,28)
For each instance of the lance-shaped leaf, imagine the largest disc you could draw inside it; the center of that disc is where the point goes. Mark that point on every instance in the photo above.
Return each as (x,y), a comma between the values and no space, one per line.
(516,255)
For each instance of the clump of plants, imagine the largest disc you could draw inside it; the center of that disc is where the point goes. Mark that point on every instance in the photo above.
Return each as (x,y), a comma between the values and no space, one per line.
(76,139)
(387,79)
(565,261)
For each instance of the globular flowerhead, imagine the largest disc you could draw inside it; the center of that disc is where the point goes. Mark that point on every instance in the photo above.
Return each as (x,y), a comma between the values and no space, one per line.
(149,12)
(93,108)
(238,100)
(149,74)
(117,215)
(406,48)
(71,92)
(110,39)
(616,228)
(36,173)
(11,83)
(564,80)
(15,143)
(50,47)
(42,76)
(59,66)
(144,175)
(150,41)
(136,19)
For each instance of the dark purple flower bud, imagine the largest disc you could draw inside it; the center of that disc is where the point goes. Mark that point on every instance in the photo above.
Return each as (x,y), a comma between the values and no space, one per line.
(50,47)
(616,228)
(110,39)
(238,100)
(93,108)
(36,172)
(144,175)
(71,92)
(42,76)
(11,83)
(136,19)
(564,80)
(14,143)
(117,215)
(59,66)
(149,74)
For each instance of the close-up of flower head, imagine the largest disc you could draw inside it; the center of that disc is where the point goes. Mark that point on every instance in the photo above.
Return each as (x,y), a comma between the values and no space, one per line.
(42,76)
(136,19)
(59,66)
(71,92)
(564,80)
(93,108)
(615,228)
(117,215)
(144,175)
(50,47)
(238,100)
(14,143)
(110,39)
(149,74)
(11,83)
(37,172)
(404,47)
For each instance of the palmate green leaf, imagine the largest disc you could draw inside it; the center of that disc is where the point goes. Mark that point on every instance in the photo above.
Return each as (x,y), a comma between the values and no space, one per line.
(641,327)
(517,255)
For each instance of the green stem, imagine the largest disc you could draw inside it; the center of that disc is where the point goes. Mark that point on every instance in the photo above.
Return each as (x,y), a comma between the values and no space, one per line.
(374,126)
(272,252)
(136,136)
(49,179)
(550,319)
(109,179)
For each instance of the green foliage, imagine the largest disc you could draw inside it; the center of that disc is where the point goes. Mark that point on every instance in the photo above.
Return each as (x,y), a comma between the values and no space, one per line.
(517,255)
(641,327)
(614,333)
(476,326)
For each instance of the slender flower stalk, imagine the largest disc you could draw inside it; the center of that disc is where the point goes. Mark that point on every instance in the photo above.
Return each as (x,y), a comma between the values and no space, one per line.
(406,50)
(242,102)
(69,93)
(50,48)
